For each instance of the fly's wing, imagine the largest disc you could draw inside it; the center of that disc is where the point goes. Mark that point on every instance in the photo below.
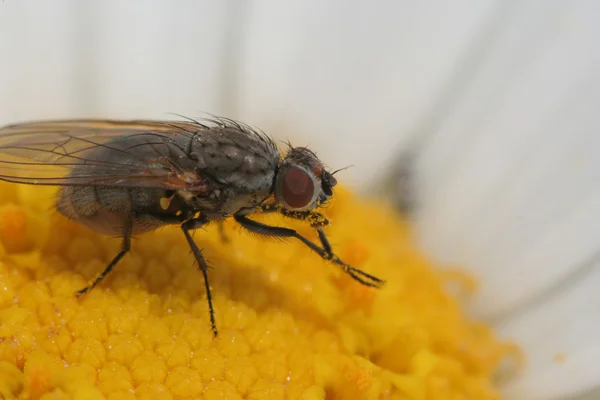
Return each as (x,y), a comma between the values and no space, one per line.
(95,152)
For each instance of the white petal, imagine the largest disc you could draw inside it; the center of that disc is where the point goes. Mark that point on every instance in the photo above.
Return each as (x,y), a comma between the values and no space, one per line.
(35,44)
(353,79)
(566,323)
(509,186)
(119,59)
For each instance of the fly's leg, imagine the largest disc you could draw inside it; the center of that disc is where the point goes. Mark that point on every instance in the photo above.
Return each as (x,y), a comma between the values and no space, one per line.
(316,220)
(187,227)
(326,253)
(125,247)
(222,233)
(325,242)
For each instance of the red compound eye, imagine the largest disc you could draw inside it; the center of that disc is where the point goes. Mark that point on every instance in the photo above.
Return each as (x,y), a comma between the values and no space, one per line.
(297,188)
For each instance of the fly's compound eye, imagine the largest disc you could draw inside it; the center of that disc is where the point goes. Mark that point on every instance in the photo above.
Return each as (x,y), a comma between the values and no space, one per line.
(296,187)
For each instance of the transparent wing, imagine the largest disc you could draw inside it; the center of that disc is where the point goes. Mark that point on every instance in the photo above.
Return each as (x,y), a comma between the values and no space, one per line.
(95,152)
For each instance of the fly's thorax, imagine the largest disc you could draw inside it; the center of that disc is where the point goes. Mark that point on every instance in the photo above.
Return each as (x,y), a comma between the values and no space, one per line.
(241,162)
(302,182)
(231,202)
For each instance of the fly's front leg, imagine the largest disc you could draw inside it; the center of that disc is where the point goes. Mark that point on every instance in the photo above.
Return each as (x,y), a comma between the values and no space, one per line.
(317,221)
(186,227)
(326,253)
(314,218)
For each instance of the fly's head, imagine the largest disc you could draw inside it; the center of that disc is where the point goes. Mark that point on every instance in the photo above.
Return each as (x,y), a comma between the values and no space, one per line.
(302,182)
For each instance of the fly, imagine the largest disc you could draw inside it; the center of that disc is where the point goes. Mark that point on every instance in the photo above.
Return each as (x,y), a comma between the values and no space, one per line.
(129,177)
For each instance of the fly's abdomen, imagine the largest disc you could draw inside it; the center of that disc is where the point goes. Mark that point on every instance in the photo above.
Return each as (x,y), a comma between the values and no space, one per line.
(109,210)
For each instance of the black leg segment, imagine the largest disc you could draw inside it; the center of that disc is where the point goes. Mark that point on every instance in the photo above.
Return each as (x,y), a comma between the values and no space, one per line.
(275,231)
(125,247)
(187,227)
(324,242)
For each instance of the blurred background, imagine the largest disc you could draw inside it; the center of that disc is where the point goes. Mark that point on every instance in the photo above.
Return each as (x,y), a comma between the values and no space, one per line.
(477,117)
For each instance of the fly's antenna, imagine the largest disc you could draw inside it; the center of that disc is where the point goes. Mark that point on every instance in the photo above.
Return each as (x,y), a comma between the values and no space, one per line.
(341,169)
